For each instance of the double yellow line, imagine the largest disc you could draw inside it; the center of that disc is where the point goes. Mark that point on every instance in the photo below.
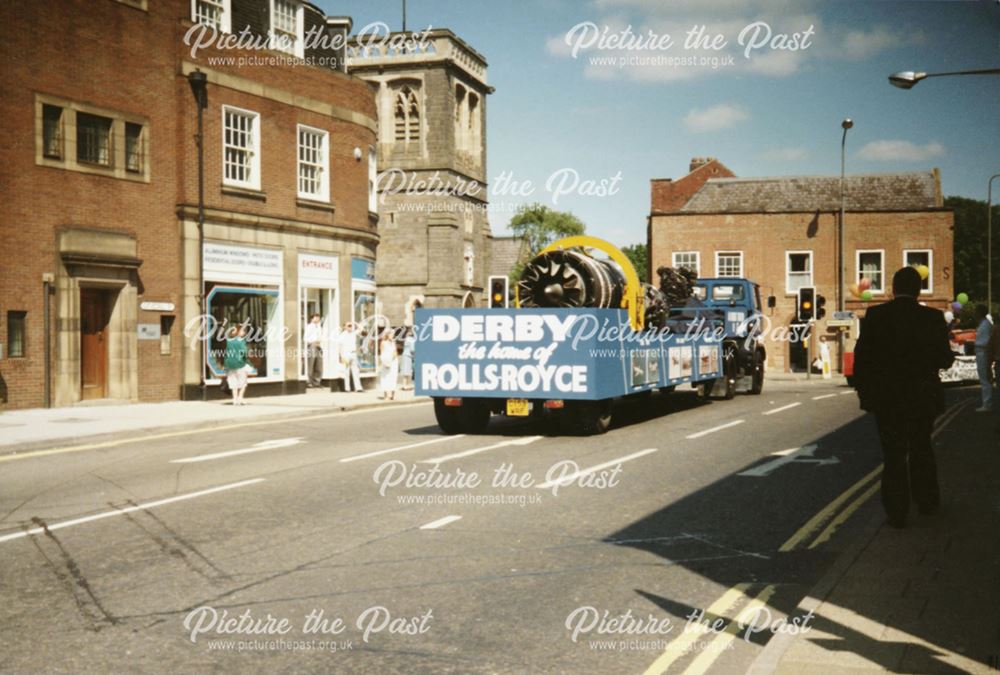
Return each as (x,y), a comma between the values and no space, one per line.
(736,595)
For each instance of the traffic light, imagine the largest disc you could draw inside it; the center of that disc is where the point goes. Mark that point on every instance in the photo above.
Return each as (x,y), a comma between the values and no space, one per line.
(806,310)
(820,307)
(498,292)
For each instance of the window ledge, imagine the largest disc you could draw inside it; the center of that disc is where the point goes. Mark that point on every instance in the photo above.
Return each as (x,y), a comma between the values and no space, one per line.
(247,193)
(305,203)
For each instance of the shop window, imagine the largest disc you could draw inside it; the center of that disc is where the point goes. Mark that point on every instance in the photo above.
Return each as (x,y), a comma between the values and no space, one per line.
(16,338)
(256,308)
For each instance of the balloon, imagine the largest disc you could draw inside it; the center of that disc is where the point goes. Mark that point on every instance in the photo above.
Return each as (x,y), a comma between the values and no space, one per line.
(866,295)
(924,271)
(855,291)
(864,284)
(949,316)
(957,306)
(962,298)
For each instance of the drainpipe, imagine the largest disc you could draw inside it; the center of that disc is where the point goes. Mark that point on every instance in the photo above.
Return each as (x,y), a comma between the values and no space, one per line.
(47,279)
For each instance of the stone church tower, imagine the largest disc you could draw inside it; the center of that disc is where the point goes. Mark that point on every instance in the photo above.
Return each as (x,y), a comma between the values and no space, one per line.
(431,158)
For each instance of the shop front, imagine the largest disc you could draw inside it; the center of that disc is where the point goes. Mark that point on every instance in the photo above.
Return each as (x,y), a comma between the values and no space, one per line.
(364,314)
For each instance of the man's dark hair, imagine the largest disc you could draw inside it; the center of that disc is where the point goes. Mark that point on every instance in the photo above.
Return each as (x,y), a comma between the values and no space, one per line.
(982,311)
(906,281)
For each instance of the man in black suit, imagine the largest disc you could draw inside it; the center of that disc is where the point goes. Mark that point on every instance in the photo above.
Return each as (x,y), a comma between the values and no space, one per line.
(900,350)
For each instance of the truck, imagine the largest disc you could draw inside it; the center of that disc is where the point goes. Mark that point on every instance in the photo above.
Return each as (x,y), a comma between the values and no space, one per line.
(580,336)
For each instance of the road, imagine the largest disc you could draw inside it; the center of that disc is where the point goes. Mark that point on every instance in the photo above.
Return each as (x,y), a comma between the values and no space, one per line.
(236,549)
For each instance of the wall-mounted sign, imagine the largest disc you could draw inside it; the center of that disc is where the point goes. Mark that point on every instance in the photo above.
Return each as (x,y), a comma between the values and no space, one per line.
(156,306)
(318,269)
(362,269)
(149,331)
(222,259)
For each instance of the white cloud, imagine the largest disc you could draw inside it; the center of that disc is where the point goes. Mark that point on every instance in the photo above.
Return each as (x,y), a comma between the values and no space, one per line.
(860,45)
(900,151)
(785,154)
(716,117)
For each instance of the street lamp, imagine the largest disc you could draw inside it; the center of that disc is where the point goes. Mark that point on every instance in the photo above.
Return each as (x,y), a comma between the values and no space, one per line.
(989,242)
(841,272)
(906,79)
(199,87)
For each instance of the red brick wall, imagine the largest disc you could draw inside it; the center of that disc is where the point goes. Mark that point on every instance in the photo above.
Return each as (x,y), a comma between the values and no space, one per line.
(670,195)
(114,56)
(764,239)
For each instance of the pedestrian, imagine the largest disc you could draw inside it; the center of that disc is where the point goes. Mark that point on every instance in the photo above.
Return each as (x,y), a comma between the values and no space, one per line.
(406,364)
(901,349)
(237,363)
(983,358)
(388,366)
(313,339)
(348,343)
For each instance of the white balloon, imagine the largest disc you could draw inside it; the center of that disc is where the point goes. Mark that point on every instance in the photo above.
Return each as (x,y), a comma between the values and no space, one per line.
(949,316)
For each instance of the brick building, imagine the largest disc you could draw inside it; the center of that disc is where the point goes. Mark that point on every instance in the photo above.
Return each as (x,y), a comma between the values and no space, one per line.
(100,192)
(435,236)
(782,233)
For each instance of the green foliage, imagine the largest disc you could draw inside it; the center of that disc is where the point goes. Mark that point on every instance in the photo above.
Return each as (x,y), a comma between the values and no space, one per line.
(637,253)
(539,226)
(970,246)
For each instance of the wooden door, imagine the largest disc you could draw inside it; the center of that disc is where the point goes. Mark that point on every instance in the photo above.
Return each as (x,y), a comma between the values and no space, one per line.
(95,311)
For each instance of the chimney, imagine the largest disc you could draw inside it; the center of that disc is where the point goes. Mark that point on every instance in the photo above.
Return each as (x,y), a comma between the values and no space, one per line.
(698,162)
(338,28)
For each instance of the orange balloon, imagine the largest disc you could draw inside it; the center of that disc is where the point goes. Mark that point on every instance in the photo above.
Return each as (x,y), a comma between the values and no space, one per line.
(864,284)
(855,291)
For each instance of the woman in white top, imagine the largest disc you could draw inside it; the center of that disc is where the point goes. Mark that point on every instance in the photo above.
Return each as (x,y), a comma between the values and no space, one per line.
(389,366)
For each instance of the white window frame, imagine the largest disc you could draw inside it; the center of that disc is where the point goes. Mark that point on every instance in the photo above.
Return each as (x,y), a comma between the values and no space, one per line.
(930,266)
(697,260)
(731,276)
(227,14)
(857,268)
(372,180)
(254,150)
(788,271)
(298,48)
(324,163)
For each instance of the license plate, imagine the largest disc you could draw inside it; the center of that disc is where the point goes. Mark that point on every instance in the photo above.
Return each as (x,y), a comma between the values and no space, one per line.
(517,407)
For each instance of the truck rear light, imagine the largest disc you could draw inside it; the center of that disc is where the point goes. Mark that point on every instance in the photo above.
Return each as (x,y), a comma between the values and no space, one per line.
(453,402)
(555,405)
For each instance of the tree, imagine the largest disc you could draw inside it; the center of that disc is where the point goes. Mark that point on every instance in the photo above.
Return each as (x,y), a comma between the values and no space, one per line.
(539,226)
(970,251)
(638,254)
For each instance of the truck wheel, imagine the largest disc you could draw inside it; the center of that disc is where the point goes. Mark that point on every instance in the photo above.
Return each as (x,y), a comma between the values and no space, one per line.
(475,416)
(586,418)
(448,418)
(758,374)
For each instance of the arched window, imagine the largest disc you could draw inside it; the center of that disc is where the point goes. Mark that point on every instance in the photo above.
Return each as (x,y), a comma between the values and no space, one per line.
(407,114)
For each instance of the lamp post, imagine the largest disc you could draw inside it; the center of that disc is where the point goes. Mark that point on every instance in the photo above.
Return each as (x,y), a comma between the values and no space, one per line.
(199,87)
(906,79)
(841,272)
(989,242)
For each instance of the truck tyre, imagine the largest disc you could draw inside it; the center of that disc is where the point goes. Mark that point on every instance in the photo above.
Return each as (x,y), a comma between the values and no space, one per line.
(586,418)
(448,418)
(475,416)
(757,385)
(729,374)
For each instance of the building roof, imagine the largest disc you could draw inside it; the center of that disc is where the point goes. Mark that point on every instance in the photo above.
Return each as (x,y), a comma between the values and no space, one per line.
(913,191)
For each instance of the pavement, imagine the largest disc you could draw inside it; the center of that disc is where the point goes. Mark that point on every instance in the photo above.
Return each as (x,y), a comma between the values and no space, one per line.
(920,599)
(22,430)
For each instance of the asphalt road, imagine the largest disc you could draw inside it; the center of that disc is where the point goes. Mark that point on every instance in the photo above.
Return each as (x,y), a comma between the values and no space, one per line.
(186,552)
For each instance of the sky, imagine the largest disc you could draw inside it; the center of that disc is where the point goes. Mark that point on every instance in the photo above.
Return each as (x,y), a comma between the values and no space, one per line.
(593,93)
